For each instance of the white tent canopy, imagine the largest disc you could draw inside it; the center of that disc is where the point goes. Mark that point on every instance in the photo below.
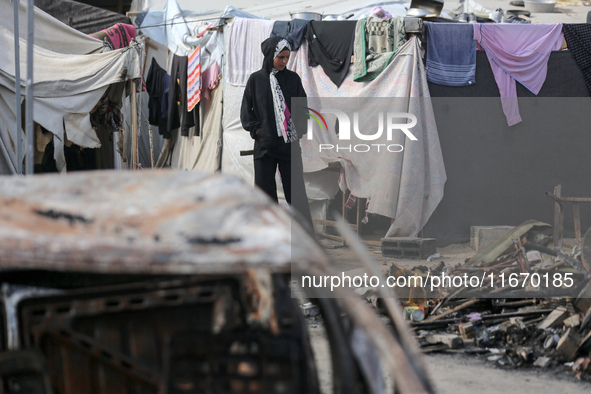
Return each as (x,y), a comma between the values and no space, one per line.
(281,10)
(70,77)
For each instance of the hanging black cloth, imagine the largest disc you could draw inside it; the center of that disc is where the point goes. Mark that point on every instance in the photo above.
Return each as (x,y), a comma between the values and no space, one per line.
(156,85)
(330,44)
(178,92)
(578,40)
(293,31)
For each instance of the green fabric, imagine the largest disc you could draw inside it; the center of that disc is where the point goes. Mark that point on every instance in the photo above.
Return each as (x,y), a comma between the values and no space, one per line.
(376,41)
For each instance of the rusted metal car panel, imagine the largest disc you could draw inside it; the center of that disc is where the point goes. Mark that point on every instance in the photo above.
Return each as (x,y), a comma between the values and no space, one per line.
(157,222)
(181,336)
(175,282)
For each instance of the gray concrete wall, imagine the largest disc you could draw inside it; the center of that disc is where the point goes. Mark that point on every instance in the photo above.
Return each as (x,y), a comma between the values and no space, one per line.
(497,175)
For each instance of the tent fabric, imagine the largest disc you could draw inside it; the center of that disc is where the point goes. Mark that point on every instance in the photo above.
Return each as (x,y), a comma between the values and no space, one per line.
(406,187)
(66,85)
(170,27)
(84,18)
(49,33)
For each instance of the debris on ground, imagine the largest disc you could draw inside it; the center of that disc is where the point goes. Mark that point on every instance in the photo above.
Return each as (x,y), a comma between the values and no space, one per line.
(531,306)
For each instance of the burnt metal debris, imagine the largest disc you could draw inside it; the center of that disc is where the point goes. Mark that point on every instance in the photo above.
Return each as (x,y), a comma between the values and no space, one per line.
(172,282)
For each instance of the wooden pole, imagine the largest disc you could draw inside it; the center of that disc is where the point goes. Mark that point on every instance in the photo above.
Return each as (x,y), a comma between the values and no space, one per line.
(151,147)
(557,241)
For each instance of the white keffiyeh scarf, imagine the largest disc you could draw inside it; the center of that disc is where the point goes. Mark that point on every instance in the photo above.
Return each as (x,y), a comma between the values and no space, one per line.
(285,126)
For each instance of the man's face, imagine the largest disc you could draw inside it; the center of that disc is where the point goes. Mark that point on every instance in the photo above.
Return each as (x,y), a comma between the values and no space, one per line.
(281,60)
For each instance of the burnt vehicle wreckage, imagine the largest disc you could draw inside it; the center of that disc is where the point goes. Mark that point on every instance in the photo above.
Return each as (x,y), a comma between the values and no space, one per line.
(174,282)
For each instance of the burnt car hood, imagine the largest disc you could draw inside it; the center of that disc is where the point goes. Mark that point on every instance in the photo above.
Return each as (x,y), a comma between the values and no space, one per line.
(152,222)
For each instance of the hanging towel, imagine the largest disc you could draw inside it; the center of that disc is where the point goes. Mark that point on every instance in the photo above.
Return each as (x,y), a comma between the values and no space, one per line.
(518,52)
(451,53)
(194,78)
(578,40)
(293,31)
(244,48)
(376,41)
(330,45)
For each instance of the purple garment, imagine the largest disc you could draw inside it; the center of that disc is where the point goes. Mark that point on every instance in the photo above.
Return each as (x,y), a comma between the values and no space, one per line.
(520,53)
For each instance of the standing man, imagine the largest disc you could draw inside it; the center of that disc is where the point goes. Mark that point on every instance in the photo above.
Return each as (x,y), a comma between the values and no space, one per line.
(266,114)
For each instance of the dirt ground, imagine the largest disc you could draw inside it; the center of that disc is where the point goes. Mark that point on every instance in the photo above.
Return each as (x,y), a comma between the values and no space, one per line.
(452,373)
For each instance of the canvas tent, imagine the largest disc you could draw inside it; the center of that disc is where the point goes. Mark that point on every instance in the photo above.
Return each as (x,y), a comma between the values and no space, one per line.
(82,17)
(72,71)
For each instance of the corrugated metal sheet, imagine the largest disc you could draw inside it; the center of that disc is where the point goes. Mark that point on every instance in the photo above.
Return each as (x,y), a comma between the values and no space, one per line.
(83,17)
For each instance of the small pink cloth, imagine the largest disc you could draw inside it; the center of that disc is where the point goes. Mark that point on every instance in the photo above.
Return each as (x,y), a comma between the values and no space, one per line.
(518,52)
(210,79)
(118,35)
(381,13)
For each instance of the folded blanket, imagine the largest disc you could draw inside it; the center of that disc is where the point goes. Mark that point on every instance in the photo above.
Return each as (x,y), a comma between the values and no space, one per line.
(117,36)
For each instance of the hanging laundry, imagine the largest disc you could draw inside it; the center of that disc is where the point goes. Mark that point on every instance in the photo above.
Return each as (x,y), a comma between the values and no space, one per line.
(330,45)
(210,79)
(451,53)
(194,79)
(293,31)
(157,85)
(107,114)
(376,41)
(244,48)
(518,52)
(578,40)
(178,92)
(381,13)
(350,201)
(117,36)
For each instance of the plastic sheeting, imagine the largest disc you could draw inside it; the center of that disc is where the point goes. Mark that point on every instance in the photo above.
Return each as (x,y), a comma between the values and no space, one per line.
(68,82)
(50,33)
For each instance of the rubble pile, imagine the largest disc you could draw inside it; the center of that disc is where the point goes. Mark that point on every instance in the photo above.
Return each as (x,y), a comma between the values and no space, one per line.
(532,308)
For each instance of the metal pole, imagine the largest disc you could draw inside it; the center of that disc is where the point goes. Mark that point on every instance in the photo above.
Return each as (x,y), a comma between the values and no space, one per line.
(29,89)
(17,83)
(134,128)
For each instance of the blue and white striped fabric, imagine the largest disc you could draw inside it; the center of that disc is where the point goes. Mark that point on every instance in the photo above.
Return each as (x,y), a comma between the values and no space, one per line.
(451,53)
